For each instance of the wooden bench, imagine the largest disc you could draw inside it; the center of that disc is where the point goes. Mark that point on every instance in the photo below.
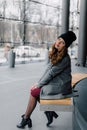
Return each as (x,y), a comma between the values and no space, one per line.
(62,104)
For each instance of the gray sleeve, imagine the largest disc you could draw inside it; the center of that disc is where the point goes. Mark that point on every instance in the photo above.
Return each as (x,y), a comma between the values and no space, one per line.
(52,72)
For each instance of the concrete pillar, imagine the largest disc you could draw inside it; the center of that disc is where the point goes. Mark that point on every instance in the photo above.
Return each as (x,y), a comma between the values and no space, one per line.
(65,15)
(82,34)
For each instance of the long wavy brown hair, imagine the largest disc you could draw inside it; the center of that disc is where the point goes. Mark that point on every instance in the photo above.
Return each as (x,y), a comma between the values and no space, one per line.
(56,56)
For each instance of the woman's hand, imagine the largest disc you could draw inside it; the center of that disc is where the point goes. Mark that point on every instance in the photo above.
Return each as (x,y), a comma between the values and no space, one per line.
(34,87)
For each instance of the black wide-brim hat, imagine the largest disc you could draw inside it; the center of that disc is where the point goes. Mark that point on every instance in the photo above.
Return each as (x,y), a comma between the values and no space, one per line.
(68,37)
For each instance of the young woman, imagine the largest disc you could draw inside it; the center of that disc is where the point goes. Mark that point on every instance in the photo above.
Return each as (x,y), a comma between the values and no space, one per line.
(55,80)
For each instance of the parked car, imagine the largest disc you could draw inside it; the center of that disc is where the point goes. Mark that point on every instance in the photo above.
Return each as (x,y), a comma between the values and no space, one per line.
(27,51)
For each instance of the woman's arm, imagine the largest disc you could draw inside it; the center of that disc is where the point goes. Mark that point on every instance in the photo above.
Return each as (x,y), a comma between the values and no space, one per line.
(53,71)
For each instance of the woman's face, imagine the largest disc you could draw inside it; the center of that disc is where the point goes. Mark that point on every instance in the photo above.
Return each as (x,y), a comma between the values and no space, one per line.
(59,44)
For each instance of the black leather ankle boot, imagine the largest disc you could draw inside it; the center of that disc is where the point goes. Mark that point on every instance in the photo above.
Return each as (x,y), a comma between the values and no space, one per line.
(25,122)
(50,115)
(54,114)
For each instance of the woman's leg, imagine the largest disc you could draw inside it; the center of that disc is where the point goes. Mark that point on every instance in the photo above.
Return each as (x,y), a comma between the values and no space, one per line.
(31,106)
(34,96)
(26,117)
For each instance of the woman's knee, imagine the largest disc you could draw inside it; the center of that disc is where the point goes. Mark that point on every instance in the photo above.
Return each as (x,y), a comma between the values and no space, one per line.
(35,92)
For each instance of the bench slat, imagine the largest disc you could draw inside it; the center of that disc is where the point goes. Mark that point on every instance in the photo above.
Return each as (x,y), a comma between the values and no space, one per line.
(57,102)
(77,77)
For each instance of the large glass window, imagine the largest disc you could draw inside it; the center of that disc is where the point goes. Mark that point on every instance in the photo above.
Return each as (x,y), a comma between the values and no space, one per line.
(34,22)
